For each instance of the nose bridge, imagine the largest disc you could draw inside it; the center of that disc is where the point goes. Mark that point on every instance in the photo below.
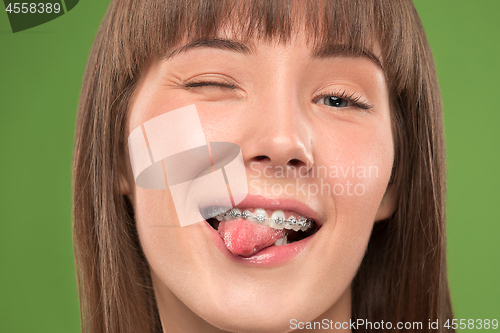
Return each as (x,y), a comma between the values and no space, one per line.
(282,135)
(286,126)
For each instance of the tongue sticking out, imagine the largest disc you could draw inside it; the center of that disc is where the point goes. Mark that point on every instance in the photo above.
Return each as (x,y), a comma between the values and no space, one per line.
(245,238)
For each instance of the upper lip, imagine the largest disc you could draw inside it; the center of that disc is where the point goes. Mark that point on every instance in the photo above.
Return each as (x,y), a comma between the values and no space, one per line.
(258,201)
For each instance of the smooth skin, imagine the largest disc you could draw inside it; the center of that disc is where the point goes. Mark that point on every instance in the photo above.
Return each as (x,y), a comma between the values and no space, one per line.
(273,101)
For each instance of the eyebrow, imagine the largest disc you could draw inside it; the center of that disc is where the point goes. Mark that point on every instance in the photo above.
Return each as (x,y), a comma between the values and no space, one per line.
(216,43)
(336,50)
(324,51)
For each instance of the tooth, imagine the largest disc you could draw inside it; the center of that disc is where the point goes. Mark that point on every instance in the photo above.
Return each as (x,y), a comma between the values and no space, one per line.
(260,215)
(291,222)
(246,214)
(277,217)
(219,217)
(226,215)
(300,221)
(235,213)
(281,241)
(210,212)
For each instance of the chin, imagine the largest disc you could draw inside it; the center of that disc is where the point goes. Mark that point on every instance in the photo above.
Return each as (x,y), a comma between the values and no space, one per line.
(253,318)
(269,308)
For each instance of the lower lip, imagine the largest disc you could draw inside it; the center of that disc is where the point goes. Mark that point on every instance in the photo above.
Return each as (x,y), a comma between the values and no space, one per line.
(270,256)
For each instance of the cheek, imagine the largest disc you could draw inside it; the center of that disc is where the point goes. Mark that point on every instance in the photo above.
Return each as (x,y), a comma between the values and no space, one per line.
(154,225)
(157,227)
(151,207)
(164,242)
(360,162)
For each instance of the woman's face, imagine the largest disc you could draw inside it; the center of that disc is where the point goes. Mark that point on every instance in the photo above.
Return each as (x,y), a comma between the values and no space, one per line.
(288,107)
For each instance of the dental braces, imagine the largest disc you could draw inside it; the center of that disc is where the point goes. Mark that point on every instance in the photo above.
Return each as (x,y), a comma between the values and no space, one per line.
(301,221)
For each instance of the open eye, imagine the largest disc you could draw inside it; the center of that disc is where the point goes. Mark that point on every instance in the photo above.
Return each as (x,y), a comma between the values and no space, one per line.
(334,101)
(343,100)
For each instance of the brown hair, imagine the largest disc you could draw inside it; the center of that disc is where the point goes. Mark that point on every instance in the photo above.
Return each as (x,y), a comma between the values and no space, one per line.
(403,274)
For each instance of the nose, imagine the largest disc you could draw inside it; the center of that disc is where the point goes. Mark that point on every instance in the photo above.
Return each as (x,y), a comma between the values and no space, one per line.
(280,136)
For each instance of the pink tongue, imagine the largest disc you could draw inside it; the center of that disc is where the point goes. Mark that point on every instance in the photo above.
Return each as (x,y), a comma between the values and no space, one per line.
(245,238)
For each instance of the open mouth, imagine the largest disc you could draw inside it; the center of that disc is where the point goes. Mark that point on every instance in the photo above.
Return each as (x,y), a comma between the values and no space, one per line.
(247,231)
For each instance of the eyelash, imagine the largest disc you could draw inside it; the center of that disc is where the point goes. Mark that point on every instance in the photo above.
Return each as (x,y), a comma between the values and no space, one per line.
(354,98)
(357,100)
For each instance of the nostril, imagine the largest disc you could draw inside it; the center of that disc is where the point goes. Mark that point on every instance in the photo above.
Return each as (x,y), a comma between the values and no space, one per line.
(261,158)
(295,163)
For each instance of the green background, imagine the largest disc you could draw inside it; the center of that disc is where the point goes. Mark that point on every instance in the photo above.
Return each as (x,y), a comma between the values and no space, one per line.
(41,71)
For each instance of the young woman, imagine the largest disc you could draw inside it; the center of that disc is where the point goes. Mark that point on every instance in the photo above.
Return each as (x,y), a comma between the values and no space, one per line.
(336,109)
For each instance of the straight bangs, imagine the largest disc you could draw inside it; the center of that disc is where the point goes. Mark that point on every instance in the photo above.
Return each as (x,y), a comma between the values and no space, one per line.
(146,29)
